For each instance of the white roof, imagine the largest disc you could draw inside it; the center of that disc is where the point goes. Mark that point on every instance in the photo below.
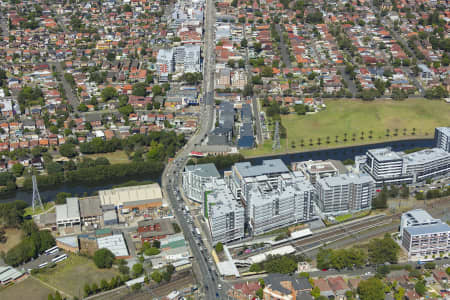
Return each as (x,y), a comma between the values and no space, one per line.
(115,243)
(119,196)
(8,273)
(279,251)
(68,211)
(134,281)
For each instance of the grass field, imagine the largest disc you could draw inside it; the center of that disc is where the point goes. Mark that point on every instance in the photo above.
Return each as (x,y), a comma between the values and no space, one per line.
(38,210)
(29,288)
(116,157)
(14,236)
(364,122)
(72,274)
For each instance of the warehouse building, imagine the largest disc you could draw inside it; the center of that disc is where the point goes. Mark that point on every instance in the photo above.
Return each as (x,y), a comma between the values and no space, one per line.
(149,230)
(442,138)
(116,244)
(195,177)
(345,193)
(9,274)
(134,197)
(90,210)
(68,215)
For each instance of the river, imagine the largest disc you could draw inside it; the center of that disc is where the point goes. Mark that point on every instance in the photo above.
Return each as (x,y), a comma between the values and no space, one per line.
(337,154)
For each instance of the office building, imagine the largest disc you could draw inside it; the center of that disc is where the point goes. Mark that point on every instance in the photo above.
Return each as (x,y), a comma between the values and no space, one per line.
(273,204)
(345,193)
(195,177)
(442,138)
(416,217)
(225,214)
(426,240)
(68,215)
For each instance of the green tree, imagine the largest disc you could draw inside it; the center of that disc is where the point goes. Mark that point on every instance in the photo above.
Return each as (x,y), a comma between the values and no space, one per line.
(109,93)
(383,250)
(17,169)
(420,287)
(219,247)
(138,269)
(315,292)
(68,150)
(371,289)
(157,276)
(139,89)
(103,258)
(156,90)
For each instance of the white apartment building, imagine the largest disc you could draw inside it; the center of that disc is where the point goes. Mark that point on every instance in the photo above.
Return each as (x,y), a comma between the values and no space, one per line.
(384,163)
(416,217)
(442,138)
(273,205)
(389,167)
(423,236)
(195,177)
(165,63)
(344,193)
(225,214)
(426,163)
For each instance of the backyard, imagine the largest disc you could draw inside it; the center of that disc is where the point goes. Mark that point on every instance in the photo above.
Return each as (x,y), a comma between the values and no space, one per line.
(356,122)
(72,274)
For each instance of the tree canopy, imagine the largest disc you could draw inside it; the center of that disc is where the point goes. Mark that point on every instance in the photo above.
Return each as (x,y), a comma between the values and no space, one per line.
(103,258)
(371,289)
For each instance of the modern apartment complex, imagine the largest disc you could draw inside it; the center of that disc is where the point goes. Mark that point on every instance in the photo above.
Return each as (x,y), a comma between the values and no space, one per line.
(389,167)
(195,177)
(344,193)
(442,138)
(423,236)
(272,204)
(225,214)
(165,63)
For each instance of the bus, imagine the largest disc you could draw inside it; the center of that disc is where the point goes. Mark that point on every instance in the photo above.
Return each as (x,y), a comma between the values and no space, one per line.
(59,258)
(47,252)
(53,252)
(197,231)
(42,265)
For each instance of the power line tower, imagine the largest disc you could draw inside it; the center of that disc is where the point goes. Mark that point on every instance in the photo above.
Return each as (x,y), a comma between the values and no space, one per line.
(36,197)
(276,137)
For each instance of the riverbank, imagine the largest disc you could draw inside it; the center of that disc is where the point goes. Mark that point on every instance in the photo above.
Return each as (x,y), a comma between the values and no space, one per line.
(331,147)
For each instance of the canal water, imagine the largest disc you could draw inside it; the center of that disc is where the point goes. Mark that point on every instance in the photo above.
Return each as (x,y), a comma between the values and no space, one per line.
(337,154)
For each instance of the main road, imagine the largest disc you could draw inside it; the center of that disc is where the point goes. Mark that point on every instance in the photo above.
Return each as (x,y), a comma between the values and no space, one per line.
(171,177)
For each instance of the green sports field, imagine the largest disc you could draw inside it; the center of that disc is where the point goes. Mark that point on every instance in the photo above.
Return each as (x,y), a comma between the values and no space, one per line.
(359,122)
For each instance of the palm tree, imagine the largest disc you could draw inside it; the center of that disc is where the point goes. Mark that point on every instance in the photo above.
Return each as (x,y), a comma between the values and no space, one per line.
(370,134)
(396,131)
(337,139)
(404,131)
(345,136)
(362,135)
(319,141)
(388,132)
(302,142)
(310,142)
(328,139)
(293,144)
(353,136)
(413,131)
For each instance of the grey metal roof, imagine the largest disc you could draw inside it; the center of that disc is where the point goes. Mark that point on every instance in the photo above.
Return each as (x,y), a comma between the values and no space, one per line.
(299,284)
(70,210)
(204,170)
(272,166)
(384,154)
(427,229)
(425,156)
